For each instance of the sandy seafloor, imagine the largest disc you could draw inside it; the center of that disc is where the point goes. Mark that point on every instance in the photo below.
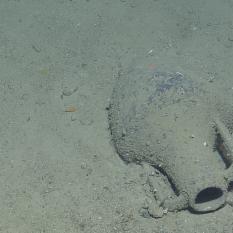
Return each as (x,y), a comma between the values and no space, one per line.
(58,170)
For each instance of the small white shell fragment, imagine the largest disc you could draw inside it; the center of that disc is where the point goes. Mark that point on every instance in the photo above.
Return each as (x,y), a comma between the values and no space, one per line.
(152,173)
(165,211)
(205,144)
(150,52)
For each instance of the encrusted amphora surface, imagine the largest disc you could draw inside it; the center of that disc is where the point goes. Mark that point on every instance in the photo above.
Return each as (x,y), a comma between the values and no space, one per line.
(172,123)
